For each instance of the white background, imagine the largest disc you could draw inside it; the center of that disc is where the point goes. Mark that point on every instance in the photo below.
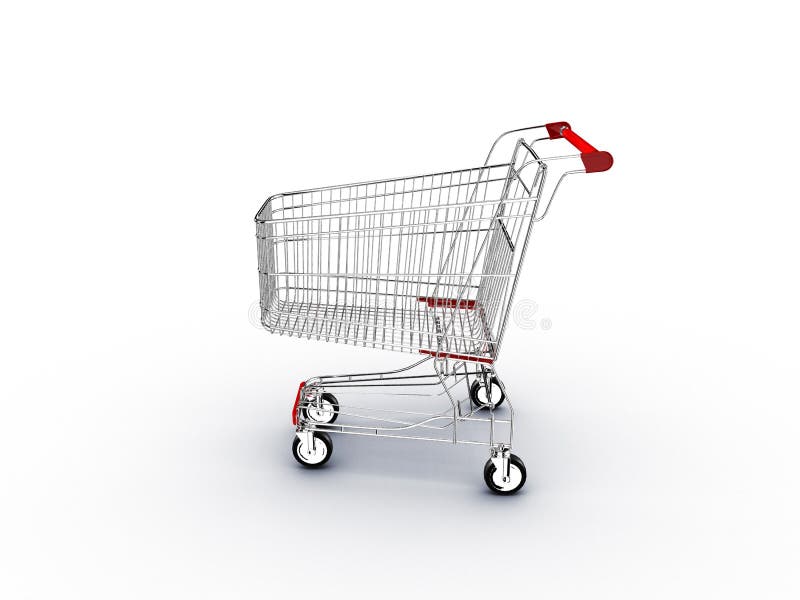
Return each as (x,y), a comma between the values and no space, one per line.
(144,421)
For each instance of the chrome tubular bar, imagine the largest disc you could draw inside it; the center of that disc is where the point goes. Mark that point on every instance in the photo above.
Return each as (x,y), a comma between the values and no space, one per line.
(427,264)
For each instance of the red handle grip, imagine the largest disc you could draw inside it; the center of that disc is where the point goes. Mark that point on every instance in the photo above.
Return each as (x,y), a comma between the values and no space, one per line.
(594,160)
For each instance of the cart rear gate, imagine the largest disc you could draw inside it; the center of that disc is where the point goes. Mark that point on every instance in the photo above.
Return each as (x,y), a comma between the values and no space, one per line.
(427,265)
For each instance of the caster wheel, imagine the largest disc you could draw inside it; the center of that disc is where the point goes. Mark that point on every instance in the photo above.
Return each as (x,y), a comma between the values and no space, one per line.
(317,456)
(517,475)
(477,393)
(326,413)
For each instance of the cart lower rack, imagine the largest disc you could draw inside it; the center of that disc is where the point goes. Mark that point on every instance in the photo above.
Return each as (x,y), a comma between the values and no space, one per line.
(427,265)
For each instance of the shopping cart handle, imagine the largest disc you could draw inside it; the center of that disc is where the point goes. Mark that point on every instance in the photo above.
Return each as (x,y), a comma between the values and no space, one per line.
(594,160)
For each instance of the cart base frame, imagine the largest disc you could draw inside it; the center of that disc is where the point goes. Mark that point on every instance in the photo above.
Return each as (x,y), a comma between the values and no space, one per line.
(318,407)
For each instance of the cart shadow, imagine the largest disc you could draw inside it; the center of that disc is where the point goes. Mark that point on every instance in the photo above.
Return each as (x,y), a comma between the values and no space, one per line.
(409,459)
(442,464)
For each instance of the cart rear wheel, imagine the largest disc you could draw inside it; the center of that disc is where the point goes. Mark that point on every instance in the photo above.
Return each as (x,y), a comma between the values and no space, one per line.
(326,413)
(516,479)
(477,393)
(317,456)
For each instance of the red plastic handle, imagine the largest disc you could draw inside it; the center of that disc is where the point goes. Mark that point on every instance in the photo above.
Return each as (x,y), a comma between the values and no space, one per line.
(594,160)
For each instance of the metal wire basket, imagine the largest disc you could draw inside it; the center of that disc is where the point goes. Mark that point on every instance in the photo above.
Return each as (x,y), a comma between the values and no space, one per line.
(426,264)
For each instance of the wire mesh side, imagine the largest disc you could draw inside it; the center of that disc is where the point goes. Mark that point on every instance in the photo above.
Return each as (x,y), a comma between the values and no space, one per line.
(410,264)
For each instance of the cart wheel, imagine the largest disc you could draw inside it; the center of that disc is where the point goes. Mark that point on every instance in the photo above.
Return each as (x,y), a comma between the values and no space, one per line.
(477,393)
(327,413)
(516,479)
(318,455)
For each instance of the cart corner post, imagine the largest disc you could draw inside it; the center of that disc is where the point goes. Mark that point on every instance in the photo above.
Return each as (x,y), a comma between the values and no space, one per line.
(296,407)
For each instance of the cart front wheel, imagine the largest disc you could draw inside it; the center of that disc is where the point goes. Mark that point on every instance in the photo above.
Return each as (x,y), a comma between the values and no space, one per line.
(326,412)
(477,393)
(317,455)
(517,475)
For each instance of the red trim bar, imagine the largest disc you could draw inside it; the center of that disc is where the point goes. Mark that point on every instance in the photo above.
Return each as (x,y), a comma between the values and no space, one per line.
(577,141)
(594,160)
(297,402)
(469,357)
(447,302)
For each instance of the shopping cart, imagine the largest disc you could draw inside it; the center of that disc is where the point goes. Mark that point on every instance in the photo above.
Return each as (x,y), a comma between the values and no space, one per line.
(428,265)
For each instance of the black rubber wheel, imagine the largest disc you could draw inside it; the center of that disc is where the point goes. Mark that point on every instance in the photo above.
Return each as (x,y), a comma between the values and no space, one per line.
(518,475)
(477,393)
(328,415)
(323,448)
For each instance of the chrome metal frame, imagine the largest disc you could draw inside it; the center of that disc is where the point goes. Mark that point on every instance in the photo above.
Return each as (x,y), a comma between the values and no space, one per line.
(426,264)
(446,376)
